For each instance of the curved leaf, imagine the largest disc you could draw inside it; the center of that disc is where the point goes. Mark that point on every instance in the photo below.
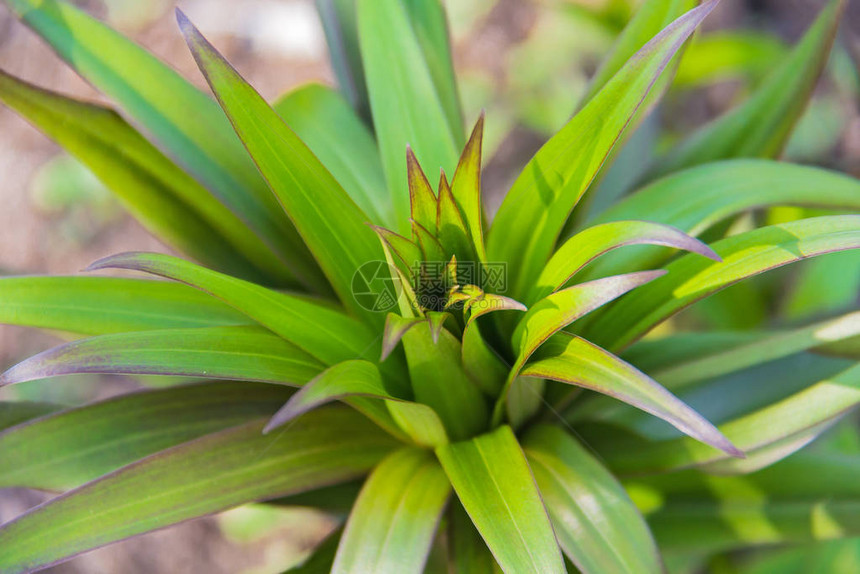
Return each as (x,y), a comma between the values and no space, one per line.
(16,412)
(337,236)
(168,202)
(569,359)
(650,18)
(185,122)
(591,243)
(439,381)
(554,312)
(790,419)
(67,449)
(207,475)
(758,349)
(597,524)
(495,485)
(691,278)
(325,333)
(533,213)
(801,499)
(392,525)
(407,108)
(468,553)
(362,378)
(761,126)
(696,199)
(101,305)
(237,353)
(332,131)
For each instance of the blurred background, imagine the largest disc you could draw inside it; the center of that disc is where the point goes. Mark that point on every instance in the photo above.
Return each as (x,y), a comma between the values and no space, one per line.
(526,62)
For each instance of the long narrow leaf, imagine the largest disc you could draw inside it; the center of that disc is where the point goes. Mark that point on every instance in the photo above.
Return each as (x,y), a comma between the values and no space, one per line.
(338,235)
(790,418)
(332,131)
(67,449)
(183,121)
(237,353)
(495,485)
(762,125)
(696,199)
(102,305)
(392,524)
(362,378)
(323,332)
(596,522)
(168,202)
(569,359)
(588,245)
(406,105)
(207,475)
(745,255)
(532,216)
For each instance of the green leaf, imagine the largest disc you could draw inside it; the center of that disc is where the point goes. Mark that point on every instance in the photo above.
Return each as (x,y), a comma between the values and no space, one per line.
(468,553)
(452,231)
(407,108)
(692,278)
(591,243)
(169,202)
(495,485)
(533,213)
(183,121)
(650,18)
(481,362)
(325,122)
(362,379)
(422,200)
(341,31)
(67,449)
(321,331)
(101,305)
(466,188)
(554,312)
(439,381)
(696,199)
(757,348)
(793,421)
(802,499)
(597,524)
(391,526)
(16,412)
(762,125)
(824,556)
(238,353)
(338,235)
(207,475)
(430,27)
(569,359)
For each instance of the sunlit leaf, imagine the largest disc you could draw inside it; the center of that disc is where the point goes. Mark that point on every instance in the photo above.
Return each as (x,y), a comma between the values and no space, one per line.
(68,448)
(391,526)
(597,524)
(207,475)
(495,485)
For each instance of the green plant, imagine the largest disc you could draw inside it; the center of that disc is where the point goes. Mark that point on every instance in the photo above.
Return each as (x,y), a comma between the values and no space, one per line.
(483,363)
